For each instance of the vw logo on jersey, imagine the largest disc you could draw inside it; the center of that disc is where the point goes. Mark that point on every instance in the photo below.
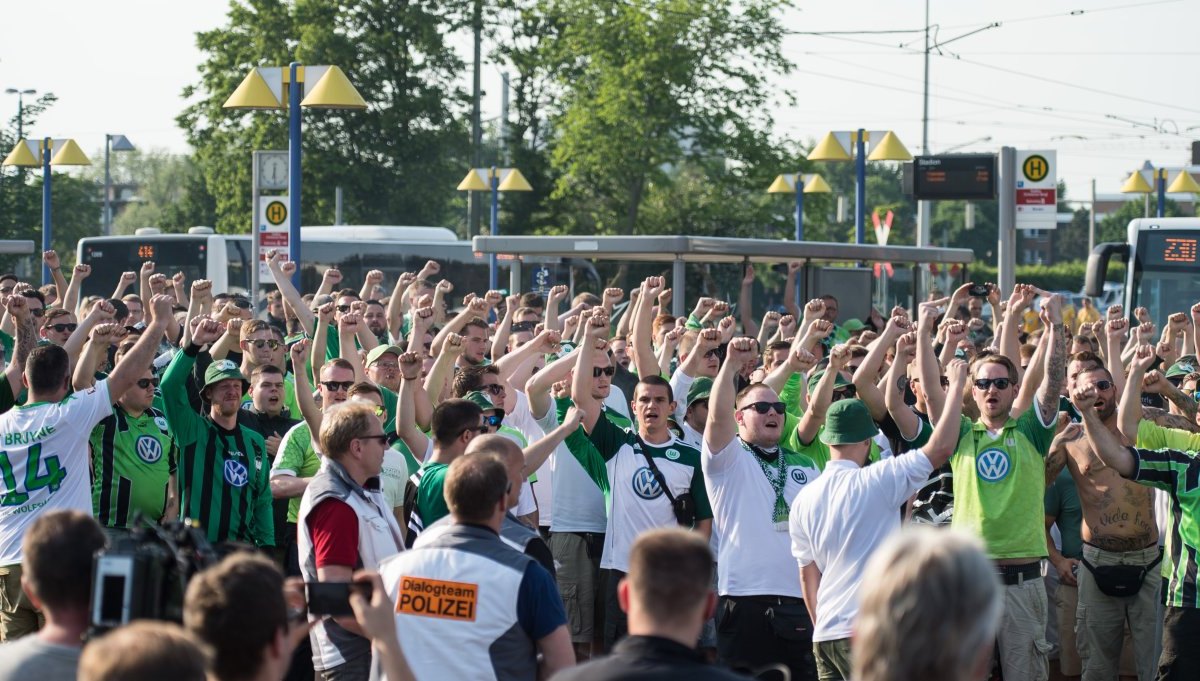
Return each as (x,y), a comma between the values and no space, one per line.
(161,422)
(673,454)
(149,449)
(645,485)
(992,465)
(798,476)
(236,474)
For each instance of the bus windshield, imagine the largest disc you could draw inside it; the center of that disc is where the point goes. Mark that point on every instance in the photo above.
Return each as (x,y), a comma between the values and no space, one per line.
(1166,276)
(110,257)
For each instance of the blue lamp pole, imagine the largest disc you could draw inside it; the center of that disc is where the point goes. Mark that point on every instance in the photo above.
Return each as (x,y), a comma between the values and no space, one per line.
(47,229)
(1160,182)
(860,187)
(799,207)
(494,183)
(295,90)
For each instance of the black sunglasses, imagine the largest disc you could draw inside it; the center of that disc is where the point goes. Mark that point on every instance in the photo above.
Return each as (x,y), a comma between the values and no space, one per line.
(343,308)
(845,392)
(381,439)
(39,312)
(1103,385)
(605,371)
(334,386)
(144,383)
(715,352)
(61,328)
(240,302)
(493,388)
(764,407)
(985,383)
(260,342)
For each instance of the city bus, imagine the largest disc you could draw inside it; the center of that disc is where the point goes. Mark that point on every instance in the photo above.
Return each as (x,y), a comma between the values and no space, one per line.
(226,259)
(1162,272)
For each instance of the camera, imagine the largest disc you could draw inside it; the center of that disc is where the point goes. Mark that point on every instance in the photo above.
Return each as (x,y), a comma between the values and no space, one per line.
(144,575)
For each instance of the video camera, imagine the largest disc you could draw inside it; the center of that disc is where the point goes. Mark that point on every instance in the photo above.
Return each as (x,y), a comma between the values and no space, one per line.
(144,575)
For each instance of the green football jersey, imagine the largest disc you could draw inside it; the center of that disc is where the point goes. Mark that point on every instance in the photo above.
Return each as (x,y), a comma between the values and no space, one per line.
(133,459)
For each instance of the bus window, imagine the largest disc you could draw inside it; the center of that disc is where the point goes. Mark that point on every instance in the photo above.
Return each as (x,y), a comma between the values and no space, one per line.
(109,257)
(238,253)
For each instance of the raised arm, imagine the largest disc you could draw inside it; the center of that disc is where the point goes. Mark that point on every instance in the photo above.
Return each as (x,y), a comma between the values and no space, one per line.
(595,340)
(100,340)
(320,338)
(746,302)
(397,303)
(1010,343)
(906,420)
(133,364)
(374,278)
(929,370)
(304,390)
(641,345)
(1129,409)
(282,272)
(866,377)
(123,284)
(504,326)
(101,312)
(406,424)
(539,385)
(179,285)
(789,289)
(767,330)
(1156,382)
(944,439)
(60,282)
(228,340)
(1031,378)
(822,395)
(70,300)
(472,307)
(721,426)
(26,340)
(1114,337)
(554,298)
(443,367)
(1056,361)
(537,453)
(421,320)
(330,278)
(1106,445)
(144,289)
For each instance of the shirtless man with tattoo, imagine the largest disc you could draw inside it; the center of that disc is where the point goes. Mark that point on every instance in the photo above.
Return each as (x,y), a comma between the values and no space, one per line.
(1118,529)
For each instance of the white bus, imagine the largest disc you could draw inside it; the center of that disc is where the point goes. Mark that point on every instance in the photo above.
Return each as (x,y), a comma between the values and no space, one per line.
(1162,272)
(226,259)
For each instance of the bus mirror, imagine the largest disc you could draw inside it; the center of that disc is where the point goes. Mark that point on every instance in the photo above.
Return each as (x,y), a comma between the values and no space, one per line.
(1097,266)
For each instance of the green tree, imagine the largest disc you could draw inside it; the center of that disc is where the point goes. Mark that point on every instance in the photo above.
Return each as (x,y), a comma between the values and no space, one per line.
(398,161)
(1115,225)
(169,190)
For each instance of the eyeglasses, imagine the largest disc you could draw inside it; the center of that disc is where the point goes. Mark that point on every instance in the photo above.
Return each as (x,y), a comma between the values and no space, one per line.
(144,383)
(337,386)
(343,308)
(493,421)
(715,352)
(985,383)
(240,302)
(63,328)
(597,372)
(1103,385)
(845,392)
(260,342)
(381,439)
(493,388)
(482,430)
(39,312)
(764,407)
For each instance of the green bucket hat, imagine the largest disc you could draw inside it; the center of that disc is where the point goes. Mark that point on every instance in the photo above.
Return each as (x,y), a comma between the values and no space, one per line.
(381,350)
(223,370)
(481,399)
(700,390)
(853,325)
(816,378)
(848,422)
(1183,366)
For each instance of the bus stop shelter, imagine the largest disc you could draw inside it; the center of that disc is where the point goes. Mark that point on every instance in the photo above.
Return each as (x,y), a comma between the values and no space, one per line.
(681,250)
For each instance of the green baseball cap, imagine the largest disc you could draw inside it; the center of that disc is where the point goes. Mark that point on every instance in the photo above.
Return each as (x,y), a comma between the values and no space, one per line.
(1183,366)
(700,390)
(816,378)
(381,350)
(848,422)
(853,325)
(222,370)
(484,403)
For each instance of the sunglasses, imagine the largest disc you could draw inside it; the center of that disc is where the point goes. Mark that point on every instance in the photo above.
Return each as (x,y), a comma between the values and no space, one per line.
(240,302)
(764,407)
(493,421)
(845,392)
(493,388)
(63,328)
(1103,385)
(381,439)
(715,352)
(482,430)
(38,312)
(985,383)
(343,308)
(144,383)
(335,386)
(597,372)
(261,342)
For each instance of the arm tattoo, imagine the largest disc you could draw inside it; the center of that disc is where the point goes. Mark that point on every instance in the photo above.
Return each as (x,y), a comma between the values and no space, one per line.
(1056,375)
(1182,400)
(25,341)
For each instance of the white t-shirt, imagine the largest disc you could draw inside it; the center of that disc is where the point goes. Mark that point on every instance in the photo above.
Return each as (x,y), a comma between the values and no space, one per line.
(839,520)
(44,462)
(393,476)
(577,501)
(753,556)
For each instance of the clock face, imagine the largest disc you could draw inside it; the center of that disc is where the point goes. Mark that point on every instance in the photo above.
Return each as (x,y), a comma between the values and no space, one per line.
(273,172)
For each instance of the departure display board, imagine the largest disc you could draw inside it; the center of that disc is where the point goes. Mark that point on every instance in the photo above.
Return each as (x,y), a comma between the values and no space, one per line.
(955,176)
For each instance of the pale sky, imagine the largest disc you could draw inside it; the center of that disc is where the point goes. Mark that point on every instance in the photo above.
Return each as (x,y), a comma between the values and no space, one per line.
(1107,88)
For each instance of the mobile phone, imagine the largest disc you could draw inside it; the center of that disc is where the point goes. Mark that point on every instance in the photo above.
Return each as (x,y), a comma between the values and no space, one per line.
(333,598)
(978,291)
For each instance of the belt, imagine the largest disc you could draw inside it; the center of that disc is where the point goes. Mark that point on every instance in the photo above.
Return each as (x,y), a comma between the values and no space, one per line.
(1014,575)
(769,600)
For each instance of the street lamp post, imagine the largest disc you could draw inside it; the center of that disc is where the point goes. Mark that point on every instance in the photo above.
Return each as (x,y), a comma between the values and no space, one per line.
(1137,183)
(495,180)
(837,145)
(111,143)
(799,184)
(319,87)
(61,152)
(20,93)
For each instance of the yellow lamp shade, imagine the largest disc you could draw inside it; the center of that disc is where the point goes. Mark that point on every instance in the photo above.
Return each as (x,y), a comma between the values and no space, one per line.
(817,185)
(69,154)
(513,181)
(474,181)
(253,93)
(1136,184)
(333,91)
(1184,183)
(829,149)
(784,184)
(890,148)
(23,155)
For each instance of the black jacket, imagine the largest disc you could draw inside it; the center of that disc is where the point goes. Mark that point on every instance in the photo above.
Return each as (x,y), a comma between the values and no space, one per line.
(649,658)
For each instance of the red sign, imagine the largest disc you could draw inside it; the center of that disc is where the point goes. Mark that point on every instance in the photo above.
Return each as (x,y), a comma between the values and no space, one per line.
(1037,197)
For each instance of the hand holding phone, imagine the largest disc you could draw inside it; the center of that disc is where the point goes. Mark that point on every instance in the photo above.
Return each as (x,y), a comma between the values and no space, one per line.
(333,598)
